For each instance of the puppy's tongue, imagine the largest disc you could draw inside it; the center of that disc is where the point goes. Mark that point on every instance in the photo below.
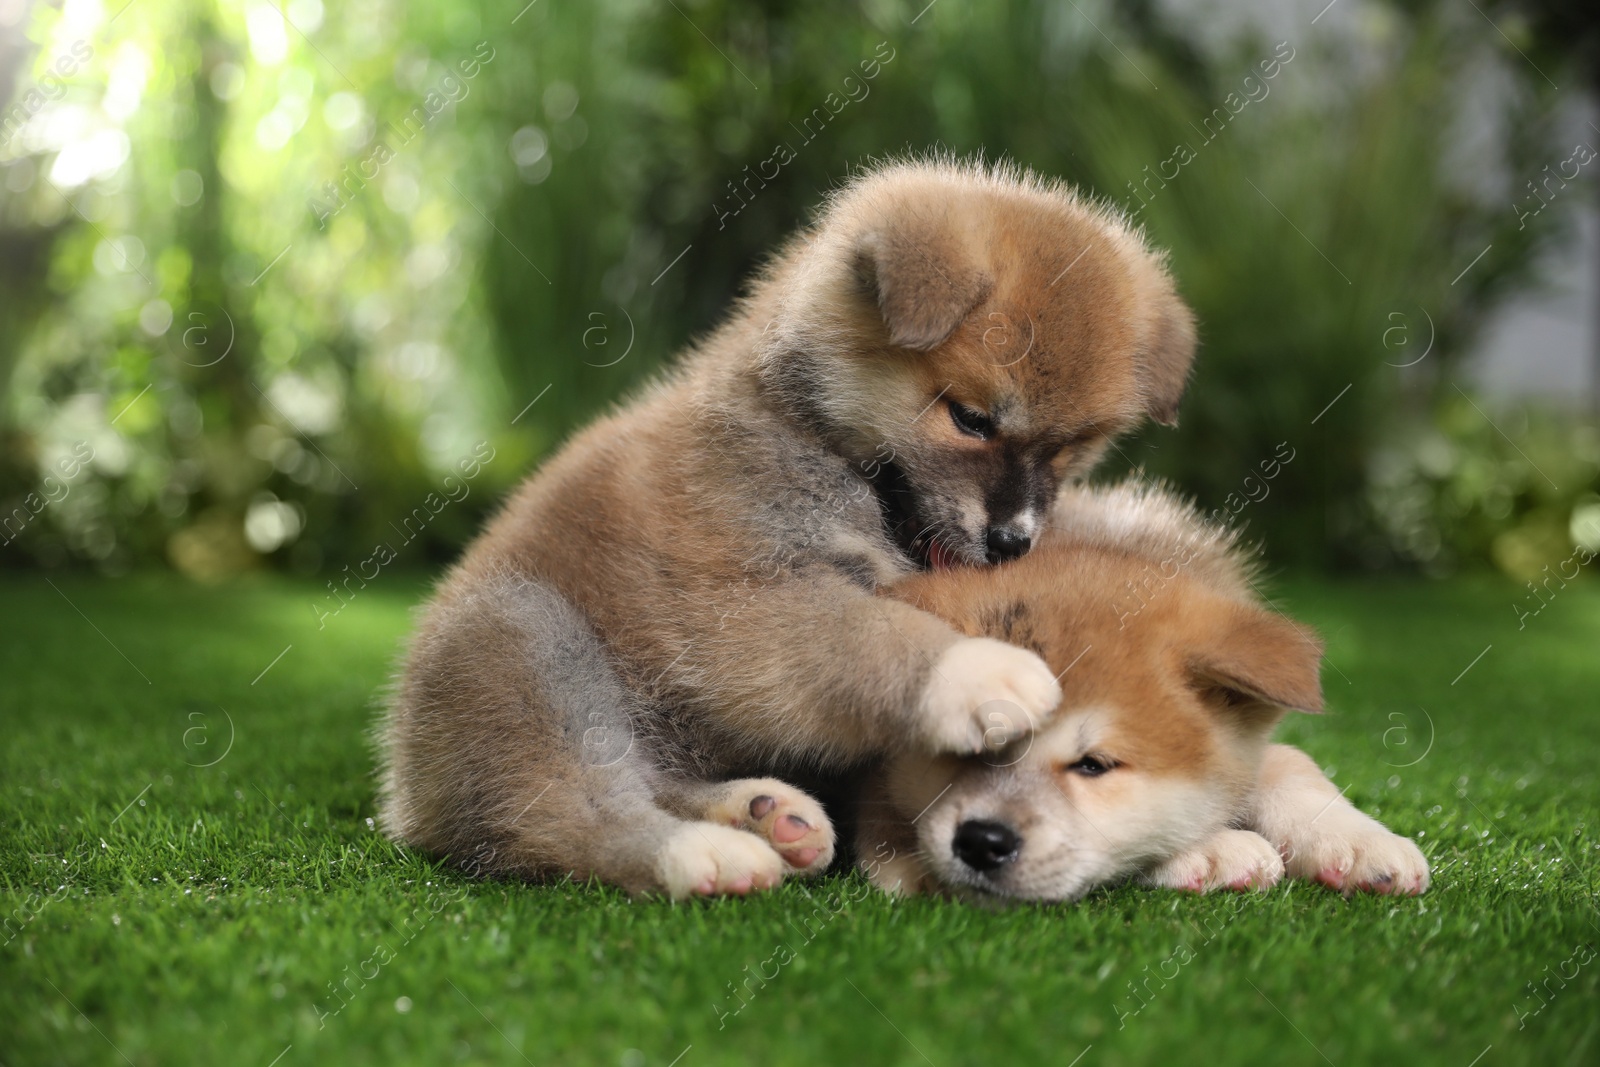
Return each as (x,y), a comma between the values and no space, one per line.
(940,558)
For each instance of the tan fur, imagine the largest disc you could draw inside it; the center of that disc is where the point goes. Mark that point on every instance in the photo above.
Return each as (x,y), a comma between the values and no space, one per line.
(685,591)
(1172,672)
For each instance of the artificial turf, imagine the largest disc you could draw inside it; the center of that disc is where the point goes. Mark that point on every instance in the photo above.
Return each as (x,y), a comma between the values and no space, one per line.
(162,910)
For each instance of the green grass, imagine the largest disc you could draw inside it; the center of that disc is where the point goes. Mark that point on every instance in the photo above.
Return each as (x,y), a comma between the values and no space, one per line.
(206,910)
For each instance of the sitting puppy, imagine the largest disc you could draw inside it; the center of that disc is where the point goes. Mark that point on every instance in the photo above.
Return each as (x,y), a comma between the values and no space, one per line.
(687,589)
(1158,762)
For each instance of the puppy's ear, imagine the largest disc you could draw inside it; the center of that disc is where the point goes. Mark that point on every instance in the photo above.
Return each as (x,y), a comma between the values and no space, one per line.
(1168,355)
(922,281)
(1258,658)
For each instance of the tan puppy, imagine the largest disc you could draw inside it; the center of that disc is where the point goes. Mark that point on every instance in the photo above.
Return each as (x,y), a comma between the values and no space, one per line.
(1158,762)
(686,591)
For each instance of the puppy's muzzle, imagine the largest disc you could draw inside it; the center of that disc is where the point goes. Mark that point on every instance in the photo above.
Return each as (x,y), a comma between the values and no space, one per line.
(985,846)
(1007,541)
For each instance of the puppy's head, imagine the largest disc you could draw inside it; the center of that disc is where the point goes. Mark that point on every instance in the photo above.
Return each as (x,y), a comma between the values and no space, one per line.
(971,337)
(1170,693)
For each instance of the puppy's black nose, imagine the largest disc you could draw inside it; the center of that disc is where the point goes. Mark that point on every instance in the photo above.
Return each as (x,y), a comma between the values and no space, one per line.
(984,845)
(1007,542)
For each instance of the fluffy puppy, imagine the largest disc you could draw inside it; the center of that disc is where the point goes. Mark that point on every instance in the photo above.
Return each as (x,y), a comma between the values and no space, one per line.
(686,590)
(1157,763)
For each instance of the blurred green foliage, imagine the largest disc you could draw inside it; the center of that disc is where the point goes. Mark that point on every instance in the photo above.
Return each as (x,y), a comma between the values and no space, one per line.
(281,270)
(1519,490)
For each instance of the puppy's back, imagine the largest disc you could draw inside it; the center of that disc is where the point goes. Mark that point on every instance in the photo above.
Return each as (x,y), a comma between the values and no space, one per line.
(1151,523)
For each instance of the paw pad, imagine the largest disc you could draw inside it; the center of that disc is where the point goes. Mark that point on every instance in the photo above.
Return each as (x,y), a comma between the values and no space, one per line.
(790,821)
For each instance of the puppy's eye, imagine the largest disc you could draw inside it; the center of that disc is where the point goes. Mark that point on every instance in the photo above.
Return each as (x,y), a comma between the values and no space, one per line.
(971,421)
(1228,697)
(1090,766)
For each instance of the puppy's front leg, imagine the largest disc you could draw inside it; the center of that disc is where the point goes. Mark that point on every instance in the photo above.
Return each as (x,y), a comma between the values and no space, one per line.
(1323,837)
(820,668)
(1232,859)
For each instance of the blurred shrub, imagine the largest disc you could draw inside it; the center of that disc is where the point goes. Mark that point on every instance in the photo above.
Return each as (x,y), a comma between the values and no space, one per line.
(259,383)
(1519,487)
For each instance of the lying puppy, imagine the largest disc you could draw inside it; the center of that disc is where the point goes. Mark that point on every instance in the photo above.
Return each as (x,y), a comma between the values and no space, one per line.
(687,590)
(1158,762)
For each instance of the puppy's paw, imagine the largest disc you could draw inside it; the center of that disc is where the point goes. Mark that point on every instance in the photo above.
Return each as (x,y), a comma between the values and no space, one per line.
(790,821)
(1348,850)
(1232,859)
(983,694)
(703,858)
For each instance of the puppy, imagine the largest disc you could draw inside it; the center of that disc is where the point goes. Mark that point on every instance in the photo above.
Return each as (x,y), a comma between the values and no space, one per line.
(1158,763)
(686,591)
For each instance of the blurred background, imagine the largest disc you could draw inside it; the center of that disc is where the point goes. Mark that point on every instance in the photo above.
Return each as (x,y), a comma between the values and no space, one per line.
(275,278)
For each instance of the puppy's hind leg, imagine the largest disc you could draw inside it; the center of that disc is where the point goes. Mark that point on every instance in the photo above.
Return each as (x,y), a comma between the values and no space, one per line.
(791,821)
(512,747)
(605,823)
